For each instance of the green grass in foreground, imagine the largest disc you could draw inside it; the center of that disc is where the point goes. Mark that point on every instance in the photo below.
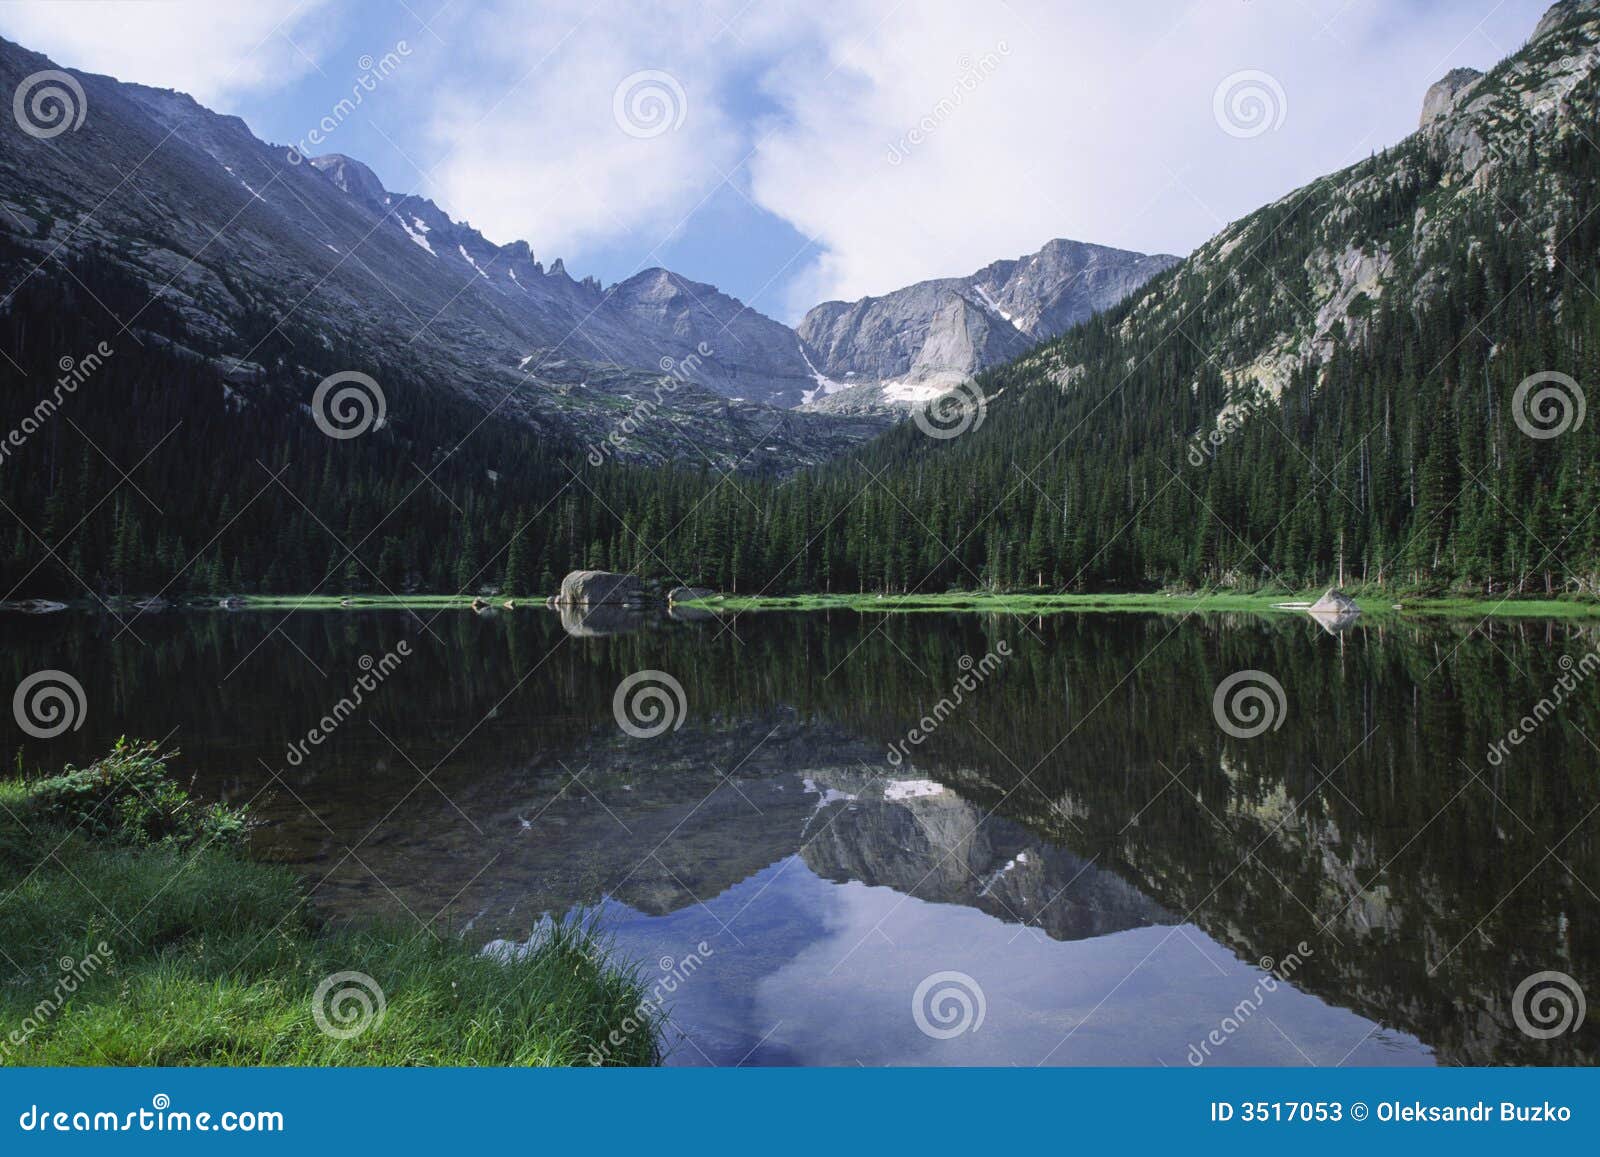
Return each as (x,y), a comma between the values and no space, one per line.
(1024,604)
(220,958)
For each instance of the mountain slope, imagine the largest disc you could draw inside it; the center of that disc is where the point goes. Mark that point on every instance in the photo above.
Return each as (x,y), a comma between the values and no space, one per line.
(231,231)
(932,334)
(1379,377)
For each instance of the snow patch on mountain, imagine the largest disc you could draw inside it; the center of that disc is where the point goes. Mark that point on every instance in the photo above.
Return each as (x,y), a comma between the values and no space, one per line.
(418,234)
(825,384)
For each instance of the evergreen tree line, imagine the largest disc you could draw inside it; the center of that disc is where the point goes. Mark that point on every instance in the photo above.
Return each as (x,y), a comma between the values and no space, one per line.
(1395,461)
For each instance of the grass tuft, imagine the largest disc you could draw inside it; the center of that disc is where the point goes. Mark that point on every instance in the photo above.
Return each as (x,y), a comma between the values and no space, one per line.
(141,935)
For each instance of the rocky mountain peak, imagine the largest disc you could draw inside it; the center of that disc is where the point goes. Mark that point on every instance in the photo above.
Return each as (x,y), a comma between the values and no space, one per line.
(353,177)
(909,343)
(1560,12)
(1445,92)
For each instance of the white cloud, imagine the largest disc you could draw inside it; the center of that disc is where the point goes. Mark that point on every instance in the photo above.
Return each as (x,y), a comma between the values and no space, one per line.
(212,50)
(1094,122)
(1081,120)
(540,145)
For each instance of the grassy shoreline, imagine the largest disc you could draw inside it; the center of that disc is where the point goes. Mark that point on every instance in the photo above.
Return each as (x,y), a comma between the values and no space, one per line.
(146,937)
(1377,605)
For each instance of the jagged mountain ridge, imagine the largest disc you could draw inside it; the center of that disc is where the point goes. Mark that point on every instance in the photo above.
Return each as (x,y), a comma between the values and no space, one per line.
(907,345)
(241,240)
(222,224)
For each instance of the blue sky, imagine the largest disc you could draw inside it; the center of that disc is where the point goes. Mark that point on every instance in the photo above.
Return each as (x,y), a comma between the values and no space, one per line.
(794,152)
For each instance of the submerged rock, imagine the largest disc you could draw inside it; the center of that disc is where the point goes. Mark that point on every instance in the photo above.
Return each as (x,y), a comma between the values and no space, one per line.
(1335,611)
(595,622)
(593,588)
(690,614)
(36,606)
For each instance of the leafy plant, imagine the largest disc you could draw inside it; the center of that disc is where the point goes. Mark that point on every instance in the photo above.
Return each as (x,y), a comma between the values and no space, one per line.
(128,797)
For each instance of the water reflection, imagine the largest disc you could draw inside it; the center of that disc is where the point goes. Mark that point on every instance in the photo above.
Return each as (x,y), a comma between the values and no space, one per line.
(1078,835)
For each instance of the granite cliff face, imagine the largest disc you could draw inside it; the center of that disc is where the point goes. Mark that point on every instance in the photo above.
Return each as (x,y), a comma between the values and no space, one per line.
(1277,292)
(1442,95)
(909,345)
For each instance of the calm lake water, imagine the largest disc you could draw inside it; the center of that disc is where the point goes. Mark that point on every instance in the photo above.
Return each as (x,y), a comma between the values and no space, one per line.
(1078,849)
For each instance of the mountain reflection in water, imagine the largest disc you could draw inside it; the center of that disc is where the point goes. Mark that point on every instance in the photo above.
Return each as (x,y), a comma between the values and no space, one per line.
(1111,871)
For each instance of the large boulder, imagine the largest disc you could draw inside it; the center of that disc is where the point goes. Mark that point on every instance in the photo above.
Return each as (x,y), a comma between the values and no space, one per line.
(1334,602)
(600,588)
